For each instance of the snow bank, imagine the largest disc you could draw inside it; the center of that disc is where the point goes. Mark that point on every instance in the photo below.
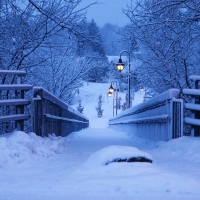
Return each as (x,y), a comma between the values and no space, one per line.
(19,146)
(186,148)
(114,152)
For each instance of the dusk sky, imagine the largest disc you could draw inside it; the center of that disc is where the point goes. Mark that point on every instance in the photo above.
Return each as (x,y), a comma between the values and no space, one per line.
(107,11)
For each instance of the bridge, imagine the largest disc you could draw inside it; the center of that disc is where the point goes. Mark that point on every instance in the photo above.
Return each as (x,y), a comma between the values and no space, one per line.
(28,108)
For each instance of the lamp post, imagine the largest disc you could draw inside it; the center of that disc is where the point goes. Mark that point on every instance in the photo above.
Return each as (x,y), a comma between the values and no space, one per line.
(111,90)
(120,67)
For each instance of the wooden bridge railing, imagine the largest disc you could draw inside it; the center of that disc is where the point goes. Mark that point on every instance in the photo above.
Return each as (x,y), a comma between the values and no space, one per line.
(12,101)
(51,115)
(163,117)
(194,106)
(48,114)
(159,118)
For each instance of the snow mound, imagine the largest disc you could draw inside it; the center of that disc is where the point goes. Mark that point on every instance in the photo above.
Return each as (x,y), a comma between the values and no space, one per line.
(114,153)
(185,147)
(20,146)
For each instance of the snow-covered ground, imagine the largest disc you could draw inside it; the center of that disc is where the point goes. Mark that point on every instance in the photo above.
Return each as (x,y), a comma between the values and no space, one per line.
(79,167)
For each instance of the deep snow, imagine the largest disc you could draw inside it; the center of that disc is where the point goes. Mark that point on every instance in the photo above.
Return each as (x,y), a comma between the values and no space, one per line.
(73,167)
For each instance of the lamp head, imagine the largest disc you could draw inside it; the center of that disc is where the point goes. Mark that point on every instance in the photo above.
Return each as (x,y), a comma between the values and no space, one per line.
(109,94)
(111,89)
(142,88)
(120,65)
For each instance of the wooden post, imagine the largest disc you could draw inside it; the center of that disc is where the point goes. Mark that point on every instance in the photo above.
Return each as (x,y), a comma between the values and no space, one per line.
(20,108)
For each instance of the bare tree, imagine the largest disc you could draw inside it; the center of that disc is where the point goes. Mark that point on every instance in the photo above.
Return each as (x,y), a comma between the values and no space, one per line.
(25,27)
(167,33)
(40,37)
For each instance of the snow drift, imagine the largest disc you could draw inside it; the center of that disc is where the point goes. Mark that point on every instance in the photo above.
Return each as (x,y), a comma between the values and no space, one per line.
(19,146)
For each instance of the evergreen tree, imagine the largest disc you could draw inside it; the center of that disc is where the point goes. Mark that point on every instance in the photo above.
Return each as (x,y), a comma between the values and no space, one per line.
(96,43)
(125,104)
(91,46)
(82,39)
(98,72)
(119,103)
(80,108)
(98,108)
(89,41)
(113,39)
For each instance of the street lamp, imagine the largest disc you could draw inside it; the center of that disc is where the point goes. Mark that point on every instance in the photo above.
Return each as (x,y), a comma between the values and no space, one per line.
(120,67)
(111,90)
(109,94)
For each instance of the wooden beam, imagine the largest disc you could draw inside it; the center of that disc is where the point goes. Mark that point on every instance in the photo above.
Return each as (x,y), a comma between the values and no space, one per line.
(15,117)
(16,87)
(14,102)
(12,72)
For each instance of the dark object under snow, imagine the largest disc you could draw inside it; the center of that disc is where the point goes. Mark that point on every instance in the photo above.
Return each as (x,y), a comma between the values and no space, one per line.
(134,159)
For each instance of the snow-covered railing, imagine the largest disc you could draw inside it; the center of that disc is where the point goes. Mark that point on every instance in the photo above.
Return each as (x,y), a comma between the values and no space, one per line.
(51,115)
(194,106)
(12,100)
(159,118)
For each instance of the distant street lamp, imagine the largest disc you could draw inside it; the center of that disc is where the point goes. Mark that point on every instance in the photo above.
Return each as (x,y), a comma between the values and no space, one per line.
(109,94)
(120,67)
(111,90)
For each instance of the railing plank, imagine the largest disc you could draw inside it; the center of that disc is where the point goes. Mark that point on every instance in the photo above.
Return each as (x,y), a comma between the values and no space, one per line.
(12,72)
(158,118)
(193,92)
(192,106)
(192,121)
(194,78)
(63,118)
(14,117)
(16,87)
(14,102)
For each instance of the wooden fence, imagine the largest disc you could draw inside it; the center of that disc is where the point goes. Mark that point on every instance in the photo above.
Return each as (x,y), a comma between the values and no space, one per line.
(12,101)
(51,115)
(163,117)
(48,114)
(159,118)
(194,106)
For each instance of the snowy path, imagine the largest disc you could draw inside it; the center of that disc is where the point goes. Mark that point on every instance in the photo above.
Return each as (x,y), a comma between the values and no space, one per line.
(64,176)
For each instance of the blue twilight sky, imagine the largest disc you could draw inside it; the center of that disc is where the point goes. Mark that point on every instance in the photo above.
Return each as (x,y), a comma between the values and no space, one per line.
(107,11)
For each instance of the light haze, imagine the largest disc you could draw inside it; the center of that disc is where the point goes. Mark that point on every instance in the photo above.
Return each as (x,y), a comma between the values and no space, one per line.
(107,11)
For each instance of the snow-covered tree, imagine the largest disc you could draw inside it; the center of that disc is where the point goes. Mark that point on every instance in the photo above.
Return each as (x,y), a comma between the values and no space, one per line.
(112,37)
(119,100)
(125,104)
(167,33)
(83,48)
(96,44)
(41,38)
(80,108)
(26,25)
(98,108)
